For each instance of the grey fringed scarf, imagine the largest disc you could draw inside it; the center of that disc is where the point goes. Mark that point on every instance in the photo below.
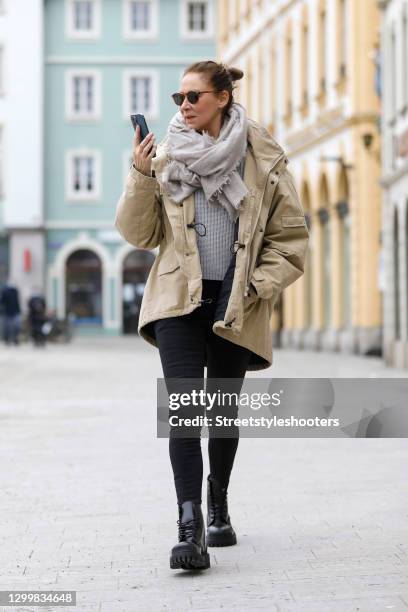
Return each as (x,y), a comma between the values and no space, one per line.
(199,160)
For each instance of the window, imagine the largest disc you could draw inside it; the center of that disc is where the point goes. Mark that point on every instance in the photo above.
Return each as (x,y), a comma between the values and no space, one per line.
(341,38)
(84,174)
(140,19)
(140,93)
(322,52)
(83,101)
(197,19)
(83,13)
(83,94)
(288,75)
(272,88)
(197,16)
(83,169)
(140,16)
(83,19)
(304,63)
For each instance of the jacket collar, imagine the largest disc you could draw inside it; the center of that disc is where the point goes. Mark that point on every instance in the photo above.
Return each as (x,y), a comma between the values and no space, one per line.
(267,153)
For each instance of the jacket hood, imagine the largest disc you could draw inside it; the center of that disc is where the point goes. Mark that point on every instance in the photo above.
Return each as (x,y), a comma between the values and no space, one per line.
(263,144)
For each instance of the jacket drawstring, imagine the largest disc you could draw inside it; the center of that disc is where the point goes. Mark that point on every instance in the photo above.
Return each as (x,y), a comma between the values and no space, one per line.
(193,226)
(240,245)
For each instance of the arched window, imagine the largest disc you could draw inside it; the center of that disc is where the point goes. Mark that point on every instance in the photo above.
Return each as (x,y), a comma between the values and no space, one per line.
(84,286)
(326,258)
(308,262)
(304,62)
(345,262)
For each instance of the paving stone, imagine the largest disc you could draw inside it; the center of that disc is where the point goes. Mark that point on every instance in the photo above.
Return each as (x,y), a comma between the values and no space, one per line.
(88,504)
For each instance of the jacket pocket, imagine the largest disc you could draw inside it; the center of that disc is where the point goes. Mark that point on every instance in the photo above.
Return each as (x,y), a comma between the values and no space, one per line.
(290,221)
(251,297)
(168,263)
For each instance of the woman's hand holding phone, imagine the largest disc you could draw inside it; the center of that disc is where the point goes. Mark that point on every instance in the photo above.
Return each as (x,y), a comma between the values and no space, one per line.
(143,152)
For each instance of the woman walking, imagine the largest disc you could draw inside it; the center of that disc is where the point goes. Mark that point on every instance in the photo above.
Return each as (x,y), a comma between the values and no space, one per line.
(217,199)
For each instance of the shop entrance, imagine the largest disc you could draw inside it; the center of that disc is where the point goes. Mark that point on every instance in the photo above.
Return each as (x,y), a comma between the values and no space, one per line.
(83,296)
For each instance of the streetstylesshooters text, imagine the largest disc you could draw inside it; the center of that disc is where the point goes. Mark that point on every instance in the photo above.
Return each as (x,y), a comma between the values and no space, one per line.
(254,401)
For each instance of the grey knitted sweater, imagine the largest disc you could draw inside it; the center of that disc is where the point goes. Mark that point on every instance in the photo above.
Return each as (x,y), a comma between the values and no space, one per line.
(214,246)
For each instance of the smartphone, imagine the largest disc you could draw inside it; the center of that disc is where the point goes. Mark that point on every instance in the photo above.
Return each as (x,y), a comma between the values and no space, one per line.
(144,130)
(141,122)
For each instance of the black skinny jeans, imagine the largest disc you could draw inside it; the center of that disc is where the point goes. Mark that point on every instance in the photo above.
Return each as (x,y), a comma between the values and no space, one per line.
(183,342)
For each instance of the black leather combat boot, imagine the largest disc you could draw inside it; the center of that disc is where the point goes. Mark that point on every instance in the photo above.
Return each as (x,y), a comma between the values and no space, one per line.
(219,528)
(191,551)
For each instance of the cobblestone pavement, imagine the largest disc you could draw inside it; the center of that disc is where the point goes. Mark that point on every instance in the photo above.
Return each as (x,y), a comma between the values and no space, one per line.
(87,500)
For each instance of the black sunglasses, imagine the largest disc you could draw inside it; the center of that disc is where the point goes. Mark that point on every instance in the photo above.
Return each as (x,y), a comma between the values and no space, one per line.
(192,96)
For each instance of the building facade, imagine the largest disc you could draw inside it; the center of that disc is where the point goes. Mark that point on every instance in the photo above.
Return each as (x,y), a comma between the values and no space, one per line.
(310,80)
(21,145)
(394,87)
(105,60)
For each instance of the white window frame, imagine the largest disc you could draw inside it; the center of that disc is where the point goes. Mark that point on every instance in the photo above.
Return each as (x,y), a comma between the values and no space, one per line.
(129,34)
(140,72)
(72,196)
(70,113)
(72,33)
(188,34)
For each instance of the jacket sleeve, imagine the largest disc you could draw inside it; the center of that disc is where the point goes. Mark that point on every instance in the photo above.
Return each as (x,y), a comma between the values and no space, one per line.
(139,217)
(282,257)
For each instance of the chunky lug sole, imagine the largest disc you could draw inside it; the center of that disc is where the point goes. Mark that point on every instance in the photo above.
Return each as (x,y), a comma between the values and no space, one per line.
(189,560)
(221,539)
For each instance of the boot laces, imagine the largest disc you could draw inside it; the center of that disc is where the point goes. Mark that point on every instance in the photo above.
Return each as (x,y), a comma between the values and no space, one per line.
(187,529)
(219,506)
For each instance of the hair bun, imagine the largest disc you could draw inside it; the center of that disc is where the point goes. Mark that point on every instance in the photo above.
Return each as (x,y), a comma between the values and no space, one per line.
(235,74)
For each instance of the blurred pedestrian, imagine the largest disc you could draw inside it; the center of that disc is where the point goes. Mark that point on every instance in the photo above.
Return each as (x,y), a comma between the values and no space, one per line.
(10,306)
(37,317)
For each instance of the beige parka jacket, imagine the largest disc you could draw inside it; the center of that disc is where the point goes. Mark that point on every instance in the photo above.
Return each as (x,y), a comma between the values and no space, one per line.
(270,247)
